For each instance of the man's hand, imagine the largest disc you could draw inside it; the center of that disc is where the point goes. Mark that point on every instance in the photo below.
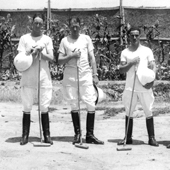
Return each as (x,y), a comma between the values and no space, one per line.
(29,52)
(135,61)
(95,79)
(151,65)
(36,50)
(76,53)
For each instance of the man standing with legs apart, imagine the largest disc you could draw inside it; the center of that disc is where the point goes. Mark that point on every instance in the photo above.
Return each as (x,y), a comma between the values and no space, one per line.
(77,50)
(36,42)
(138,59)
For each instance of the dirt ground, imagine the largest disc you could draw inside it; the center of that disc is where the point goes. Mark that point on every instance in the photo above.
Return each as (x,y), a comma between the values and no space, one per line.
(62,155)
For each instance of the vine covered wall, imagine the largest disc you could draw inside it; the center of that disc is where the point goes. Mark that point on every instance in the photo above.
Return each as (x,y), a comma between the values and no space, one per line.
(134,16)
(103,25)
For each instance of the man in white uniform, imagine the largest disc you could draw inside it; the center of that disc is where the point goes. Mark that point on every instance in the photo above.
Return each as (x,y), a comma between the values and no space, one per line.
(131,58)
(36,42)
(77,50)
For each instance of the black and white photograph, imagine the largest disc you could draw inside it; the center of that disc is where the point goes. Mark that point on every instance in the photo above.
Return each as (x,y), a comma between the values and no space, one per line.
(84,85)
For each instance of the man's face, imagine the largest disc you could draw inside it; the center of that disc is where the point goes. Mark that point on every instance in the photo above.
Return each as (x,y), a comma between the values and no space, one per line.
(37,24)
(134,37)
(74,27)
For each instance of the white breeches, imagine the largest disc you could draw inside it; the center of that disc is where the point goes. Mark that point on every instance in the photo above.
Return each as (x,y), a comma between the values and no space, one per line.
(28,96)
(87,95)
(146,99)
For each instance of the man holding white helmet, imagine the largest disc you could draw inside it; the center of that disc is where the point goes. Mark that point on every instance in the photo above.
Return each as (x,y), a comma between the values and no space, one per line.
(32,44)
(138,60)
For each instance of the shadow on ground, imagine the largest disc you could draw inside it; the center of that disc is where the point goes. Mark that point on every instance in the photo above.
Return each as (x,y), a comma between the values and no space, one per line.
(135,142)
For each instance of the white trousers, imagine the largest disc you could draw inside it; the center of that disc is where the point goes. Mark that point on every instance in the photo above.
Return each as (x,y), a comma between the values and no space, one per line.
(87,95)
(146,99)
(28,96)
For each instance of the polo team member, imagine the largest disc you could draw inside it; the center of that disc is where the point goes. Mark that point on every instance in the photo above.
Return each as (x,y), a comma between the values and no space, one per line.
(77,50)
(36,42)
(137,55)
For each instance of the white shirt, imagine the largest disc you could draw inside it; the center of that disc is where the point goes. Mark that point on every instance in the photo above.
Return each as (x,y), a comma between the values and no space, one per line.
(146,55)
(30,77)
(67,45)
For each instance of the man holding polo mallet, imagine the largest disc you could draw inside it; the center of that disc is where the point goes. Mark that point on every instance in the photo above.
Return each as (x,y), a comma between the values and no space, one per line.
(34,44)
(138,60)
(76,51)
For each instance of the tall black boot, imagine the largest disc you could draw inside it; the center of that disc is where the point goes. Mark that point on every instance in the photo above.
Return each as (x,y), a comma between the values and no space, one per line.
(129,133)
(25,128)
(151,134)
(46,128)
(90,138)
(76,125)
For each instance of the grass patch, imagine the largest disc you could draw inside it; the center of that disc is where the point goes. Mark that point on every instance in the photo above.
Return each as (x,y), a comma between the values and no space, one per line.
(10,94)
(113,111)
(158,108)
(158,111)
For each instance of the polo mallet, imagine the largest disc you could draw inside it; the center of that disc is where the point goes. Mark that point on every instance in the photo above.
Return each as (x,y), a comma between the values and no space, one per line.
(79,145)
(127,127)
(41,144)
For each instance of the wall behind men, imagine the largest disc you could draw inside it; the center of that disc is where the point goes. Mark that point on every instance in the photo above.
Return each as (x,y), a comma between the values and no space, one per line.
(134,16)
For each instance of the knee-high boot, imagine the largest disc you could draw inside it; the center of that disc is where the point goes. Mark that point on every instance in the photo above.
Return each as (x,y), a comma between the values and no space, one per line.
(90,138)
(76,125)
(129,133)
(46,128)
(25,128)
(151,134)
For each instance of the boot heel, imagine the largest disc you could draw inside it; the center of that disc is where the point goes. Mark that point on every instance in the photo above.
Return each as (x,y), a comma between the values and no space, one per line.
(76,139)
(152,142)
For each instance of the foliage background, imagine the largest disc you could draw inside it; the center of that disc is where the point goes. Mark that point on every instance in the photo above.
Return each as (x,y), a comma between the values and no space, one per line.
(106,60)
(134,16)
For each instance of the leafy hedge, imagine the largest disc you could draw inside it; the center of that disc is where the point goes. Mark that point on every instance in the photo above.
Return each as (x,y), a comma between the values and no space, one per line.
(114,90)
(10,91)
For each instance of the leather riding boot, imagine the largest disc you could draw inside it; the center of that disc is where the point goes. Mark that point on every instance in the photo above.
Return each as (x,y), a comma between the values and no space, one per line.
(76,125)
(150,128)
(25,128)
(129,133)
(90,138)
(46,128)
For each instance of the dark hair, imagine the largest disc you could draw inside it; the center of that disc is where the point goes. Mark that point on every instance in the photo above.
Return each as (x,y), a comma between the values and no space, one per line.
(74,19)
(134,28)
(38,15)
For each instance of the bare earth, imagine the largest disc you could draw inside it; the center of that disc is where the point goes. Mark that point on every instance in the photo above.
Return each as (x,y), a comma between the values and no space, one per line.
(65,156)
